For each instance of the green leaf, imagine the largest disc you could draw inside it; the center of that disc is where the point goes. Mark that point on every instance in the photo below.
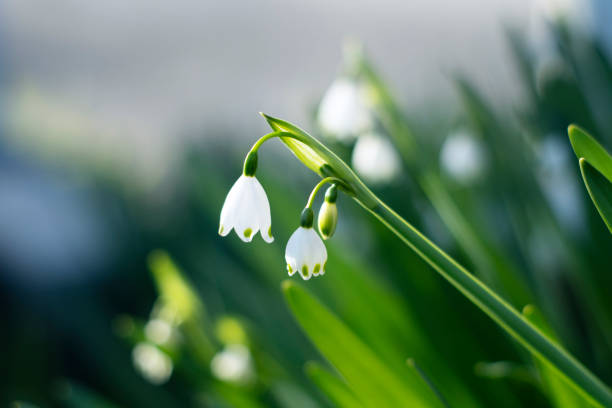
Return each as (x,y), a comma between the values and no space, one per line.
(600,190)
(333,387)
(561,394)
(585,146)
(373,383)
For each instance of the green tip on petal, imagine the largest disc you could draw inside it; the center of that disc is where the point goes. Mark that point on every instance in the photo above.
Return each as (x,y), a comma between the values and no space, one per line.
(317,268)
(220,229)
(248,232)
(305,272)
(270,232)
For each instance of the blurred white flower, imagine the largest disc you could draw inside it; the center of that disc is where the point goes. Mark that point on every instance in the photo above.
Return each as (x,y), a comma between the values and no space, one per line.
(376,159)
(158,331)
(152,363)
(559,183)
(246,209)
(343,112)
(306,253)
(463,157)
(233,364)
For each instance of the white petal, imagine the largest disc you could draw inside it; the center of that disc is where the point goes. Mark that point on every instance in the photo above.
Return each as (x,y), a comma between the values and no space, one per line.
(231,206)
(293,250)
(247,224)
(263,212)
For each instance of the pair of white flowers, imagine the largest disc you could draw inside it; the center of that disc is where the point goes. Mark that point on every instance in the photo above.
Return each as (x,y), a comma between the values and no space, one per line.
(247,211)
(345,114)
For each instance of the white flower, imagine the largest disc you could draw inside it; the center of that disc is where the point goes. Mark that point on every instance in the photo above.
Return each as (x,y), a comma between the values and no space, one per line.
(375,158)
(233,364)
(463,157)
(306,253)
(246,210)
(343,112)
(152,363)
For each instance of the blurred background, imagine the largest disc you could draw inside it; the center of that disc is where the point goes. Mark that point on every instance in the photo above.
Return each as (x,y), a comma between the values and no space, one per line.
(123,126)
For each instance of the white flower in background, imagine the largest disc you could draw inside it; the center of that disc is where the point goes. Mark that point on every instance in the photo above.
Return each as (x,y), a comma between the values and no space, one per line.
(305,252)
(246,209)
(556,176)
(343,112)
(463,157)
(233,364)
(376,159)
(152,363)
(159,331)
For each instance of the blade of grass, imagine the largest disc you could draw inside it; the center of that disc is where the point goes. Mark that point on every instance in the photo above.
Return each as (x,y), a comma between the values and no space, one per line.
(497,308)
(600,190)
(586,146)
(333,387)
(555,386)
(375,384)
(413,365)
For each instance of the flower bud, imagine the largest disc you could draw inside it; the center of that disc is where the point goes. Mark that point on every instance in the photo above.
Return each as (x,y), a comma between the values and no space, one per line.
(328,215)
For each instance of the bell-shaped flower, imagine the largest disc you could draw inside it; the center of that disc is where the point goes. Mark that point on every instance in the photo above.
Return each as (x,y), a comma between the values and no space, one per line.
(305,252)
(343,112)
(375,159)
(246,209)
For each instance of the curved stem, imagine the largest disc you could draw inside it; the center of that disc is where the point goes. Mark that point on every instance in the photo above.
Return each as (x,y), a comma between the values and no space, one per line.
(498,309)
(320,184)
(264,138)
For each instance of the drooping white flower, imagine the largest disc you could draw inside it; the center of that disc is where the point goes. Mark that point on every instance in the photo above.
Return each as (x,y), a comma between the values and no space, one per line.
(246,209)
(343,112)
(305,253)
(463,157)
(375,158)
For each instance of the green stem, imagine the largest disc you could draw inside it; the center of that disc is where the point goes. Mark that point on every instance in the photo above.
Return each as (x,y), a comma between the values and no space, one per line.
(498,309)
(320,184)
(271,135)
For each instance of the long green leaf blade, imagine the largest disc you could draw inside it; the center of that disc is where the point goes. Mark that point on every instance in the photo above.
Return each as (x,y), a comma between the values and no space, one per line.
(600,190)
(586,146)
(368,377)
(333,387)
(561,394)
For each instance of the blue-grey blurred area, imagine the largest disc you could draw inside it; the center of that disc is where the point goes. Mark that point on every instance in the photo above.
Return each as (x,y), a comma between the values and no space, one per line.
(119,87)
(123,124)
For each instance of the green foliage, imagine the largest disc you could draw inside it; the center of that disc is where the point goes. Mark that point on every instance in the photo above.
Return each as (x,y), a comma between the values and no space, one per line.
(334,388)
(596,168)
(372,382)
